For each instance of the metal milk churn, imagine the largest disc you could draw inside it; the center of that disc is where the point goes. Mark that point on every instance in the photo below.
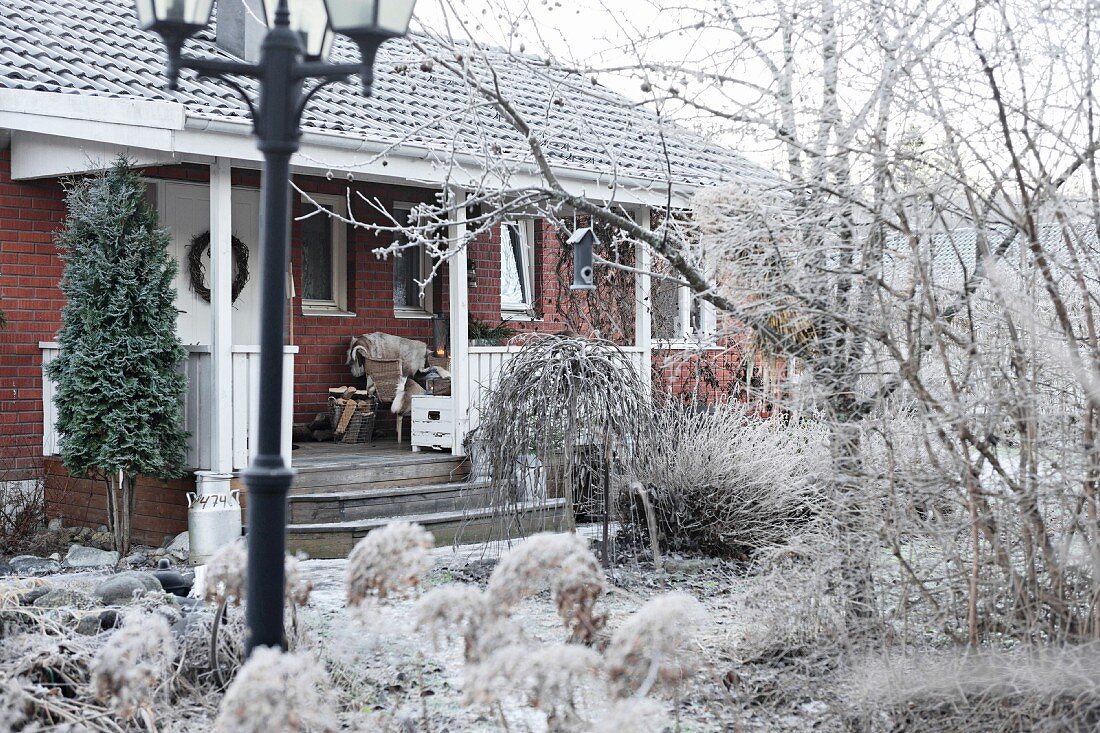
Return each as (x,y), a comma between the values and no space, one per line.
(213,515)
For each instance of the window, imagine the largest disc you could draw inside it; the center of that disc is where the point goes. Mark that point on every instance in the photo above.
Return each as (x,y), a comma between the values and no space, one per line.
(324,258)
(517,255)
(411,267)
(678,316)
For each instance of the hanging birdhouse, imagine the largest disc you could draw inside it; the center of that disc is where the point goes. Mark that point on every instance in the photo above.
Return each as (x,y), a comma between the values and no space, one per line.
(582,242)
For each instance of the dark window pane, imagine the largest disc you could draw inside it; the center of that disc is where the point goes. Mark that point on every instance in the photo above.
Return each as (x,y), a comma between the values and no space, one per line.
(665,296)
(317,257)
(406,271)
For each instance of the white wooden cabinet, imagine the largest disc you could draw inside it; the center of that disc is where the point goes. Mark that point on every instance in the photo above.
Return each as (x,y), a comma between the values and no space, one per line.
(432,422)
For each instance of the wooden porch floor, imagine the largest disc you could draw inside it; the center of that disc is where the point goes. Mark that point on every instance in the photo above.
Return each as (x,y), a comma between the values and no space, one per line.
(378,453)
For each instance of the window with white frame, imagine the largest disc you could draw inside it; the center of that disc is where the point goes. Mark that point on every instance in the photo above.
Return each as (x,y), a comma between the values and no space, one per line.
(679,316)
(324,256)
(412,266)
(517,267)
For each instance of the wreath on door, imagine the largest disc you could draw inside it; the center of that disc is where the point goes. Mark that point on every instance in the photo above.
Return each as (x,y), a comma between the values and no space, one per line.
(197,270)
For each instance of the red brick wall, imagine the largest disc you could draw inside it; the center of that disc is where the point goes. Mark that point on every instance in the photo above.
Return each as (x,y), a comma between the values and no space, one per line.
(160,511)
(30,212)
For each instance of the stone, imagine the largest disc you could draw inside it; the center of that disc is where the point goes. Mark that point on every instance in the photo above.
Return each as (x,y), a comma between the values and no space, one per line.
(28,598)
(136,559)
(64,597)
(102,529)
(6,568)
(29,565)
(55,524)
(94,623)
(83,533)
(182,541)
(102,540)
(179,548)
(55,556)
(121,587)
(80,556)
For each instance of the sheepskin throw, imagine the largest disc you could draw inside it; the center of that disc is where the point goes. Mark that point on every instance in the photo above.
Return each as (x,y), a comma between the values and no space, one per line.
(380,345)
(406,390)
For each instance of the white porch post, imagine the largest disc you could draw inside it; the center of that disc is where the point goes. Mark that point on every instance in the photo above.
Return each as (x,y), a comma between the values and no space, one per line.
(459,307)
(221,314)
(643,309)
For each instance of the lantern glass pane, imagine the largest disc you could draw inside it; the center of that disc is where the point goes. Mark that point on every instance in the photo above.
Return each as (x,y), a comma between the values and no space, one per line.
(394,15)
(310,20)
(346,16)
(174,12)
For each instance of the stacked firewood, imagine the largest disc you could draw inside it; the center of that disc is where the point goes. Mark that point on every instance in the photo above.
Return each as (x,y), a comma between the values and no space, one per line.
(352,414)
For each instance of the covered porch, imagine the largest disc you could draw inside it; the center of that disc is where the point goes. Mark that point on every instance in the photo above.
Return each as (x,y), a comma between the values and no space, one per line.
(220,198)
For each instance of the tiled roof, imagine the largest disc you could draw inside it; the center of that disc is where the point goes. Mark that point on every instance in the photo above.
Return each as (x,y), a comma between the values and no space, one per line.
(92,47)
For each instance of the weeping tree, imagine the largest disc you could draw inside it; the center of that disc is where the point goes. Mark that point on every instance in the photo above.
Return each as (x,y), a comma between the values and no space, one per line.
(564,415)
(119,389)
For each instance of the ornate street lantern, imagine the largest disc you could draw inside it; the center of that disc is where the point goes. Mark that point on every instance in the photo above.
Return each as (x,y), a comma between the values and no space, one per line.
(292,52)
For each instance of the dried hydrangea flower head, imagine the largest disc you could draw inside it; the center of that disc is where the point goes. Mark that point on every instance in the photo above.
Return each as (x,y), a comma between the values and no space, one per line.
(564,564)
(277,691)
(298,587)
(226,574)
(550,678)
(389,561)
(130,667)
(634,714)
(653,648)
(453,607)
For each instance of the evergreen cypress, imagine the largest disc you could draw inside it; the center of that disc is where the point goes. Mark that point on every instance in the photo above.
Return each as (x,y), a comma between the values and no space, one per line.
(119,386)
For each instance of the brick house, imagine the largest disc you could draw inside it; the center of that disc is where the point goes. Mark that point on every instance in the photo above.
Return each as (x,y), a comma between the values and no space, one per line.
(80,85)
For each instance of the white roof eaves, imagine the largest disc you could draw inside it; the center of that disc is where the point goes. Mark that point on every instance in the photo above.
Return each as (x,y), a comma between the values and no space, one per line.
(169,127)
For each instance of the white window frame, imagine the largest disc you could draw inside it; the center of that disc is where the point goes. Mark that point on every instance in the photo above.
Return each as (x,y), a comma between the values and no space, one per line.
(402,210)
(516,310)
(338,304)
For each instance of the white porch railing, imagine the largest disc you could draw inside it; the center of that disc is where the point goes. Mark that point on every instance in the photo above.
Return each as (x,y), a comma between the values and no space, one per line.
(199,404)
(486,362)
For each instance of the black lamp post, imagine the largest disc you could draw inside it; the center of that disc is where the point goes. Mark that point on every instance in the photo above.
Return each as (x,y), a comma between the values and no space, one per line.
(292,52)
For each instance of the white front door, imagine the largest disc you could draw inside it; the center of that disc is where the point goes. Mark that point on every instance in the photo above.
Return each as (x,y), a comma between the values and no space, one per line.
(184,210)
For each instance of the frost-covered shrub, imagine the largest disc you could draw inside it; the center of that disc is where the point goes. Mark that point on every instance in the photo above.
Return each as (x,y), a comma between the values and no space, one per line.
(652,648)
(1044,689)
(277,691)
(131,667)
(388,561)
(727,483)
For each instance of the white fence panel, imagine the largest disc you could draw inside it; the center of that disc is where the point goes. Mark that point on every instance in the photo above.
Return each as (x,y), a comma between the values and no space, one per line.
(198,403)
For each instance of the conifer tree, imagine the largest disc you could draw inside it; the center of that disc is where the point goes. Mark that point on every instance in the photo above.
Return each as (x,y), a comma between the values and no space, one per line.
(119,389)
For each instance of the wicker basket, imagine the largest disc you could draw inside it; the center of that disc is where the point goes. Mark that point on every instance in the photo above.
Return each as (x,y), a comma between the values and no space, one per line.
(360,424)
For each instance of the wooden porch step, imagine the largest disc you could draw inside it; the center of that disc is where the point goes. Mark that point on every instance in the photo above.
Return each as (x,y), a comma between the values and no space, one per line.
(336,539)
(373,472)
(372,503)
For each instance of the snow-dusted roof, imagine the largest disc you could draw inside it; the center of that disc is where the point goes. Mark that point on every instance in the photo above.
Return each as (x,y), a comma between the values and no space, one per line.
(953,256)
(93,47)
